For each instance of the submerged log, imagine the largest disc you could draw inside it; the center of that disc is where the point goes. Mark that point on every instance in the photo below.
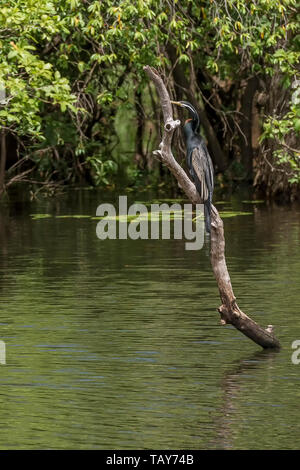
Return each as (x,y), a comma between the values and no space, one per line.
(229,311)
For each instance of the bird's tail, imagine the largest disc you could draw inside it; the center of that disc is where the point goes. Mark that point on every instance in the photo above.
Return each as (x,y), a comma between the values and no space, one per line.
(207,211)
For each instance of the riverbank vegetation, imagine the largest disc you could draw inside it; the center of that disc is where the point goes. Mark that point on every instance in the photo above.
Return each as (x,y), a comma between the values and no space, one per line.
(76,106)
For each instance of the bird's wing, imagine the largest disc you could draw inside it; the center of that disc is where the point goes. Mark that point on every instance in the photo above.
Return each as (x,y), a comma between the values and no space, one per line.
(189,163)
(210,169)
(203,171)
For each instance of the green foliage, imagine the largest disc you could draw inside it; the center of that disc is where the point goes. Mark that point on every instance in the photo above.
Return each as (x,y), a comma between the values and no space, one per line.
(101,169)
(280,130)
(30,82)
(68,66)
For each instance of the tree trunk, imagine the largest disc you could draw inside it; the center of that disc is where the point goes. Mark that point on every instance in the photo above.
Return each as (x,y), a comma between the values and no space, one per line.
(246,126)
(139,157)
(229,310)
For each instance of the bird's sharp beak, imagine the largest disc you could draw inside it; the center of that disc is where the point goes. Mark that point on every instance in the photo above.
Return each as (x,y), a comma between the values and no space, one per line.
(176,102)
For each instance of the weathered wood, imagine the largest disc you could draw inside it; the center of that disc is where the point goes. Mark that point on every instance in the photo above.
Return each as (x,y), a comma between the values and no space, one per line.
(229,310)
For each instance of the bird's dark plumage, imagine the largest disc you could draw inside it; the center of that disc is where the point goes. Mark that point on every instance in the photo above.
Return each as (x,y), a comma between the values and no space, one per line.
(198,161)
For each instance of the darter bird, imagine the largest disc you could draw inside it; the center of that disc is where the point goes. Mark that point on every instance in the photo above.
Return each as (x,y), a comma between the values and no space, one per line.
(198,160)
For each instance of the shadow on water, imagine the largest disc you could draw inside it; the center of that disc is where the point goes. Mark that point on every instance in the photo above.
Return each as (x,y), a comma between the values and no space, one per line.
(232,387)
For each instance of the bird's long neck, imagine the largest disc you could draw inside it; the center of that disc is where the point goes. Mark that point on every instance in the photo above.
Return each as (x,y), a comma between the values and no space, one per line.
(189,130)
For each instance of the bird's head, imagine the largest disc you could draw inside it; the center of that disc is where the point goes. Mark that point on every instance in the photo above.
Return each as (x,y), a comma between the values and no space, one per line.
(194,120)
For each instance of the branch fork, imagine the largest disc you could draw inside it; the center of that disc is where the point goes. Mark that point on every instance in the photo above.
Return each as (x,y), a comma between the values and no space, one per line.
(171,125)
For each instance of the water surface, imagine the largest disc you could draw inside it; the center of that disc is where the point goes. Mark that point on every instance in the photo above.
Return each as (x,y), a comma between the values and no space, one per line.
(116,344)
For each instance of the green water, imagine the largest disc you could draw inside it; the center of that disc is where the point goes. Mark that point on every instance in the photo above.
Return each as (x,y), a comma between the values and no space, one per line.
(117,344)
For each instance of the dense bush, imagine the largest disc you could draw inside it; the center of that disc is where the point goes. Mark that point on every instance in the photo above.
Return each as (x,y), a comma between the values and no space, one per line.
(77,104)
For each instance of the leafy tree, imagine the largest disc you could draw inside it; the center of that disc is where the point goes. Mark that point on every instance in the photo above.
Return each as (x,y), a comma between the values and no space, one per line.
(71,68)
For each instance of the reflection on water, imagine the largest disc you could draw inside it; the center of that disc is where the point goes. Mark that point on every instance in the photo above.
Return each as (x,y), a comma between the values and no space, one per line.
(117,344)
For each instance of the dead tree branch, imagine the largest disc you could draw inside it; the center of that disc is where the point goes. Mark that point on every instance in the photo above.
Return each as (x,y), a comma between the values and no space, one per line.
(229,310)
